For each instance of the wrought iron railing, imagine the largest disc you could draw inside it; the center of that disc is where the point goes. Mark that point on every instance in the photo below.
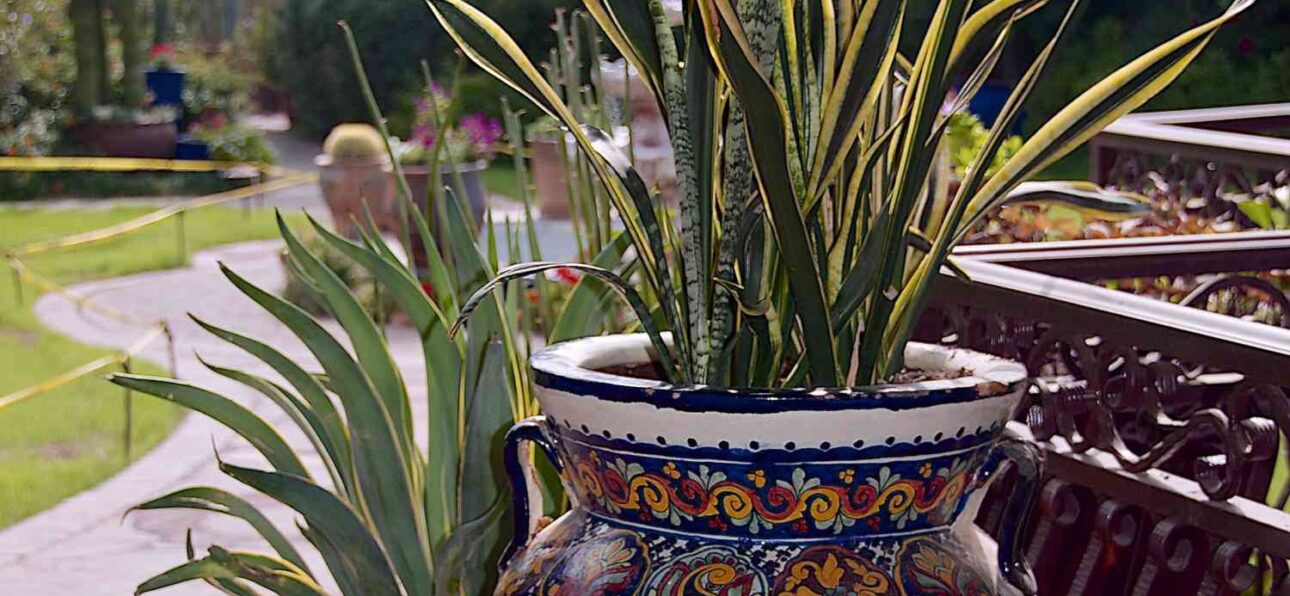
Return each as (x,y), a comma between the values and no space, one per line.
(1161,421)
(1207,159)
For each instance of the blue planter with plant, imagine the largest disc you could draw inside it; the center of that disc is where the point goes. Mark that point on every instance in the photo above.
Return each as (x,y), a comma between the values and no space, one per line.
(164,78)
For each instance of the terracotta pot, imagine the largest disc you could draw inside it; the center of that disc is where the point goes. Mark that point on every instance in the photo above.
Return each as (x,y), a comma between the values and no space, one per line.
(472,177)
(706,491)
(549,178)
(347,185)
(115,139)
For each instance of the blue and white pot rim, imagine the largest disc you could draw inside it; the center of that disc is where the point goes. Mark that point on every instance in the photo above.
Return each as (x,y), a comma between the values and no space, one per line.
(573,367)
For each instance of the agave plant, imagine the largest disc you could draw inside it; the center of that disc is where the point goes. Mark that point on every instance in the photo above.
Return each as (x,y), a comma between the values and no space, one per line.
(383,514)
(810,232)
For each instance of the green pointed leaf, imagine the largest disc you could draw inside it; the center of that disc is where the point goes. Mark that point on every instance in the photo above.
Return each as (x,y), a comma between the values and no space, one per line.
(362,562)
(223,410)
(216,500)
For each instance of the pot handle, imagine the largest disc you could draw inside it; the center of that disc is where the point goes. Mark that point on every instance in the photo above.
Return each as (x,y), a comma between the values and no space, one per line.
(526,496)
(1028,459)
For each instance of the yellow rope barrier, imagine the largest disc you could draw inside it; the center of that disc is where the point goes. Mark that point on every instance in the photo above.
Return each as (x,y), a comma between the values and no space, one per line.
(158,329)
(84,370)
(160,215)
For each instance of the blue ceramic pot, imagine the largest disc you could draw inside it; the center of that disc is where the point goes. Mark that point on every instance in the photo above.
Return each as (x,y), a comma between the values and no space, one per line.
(705,491)
(166,86)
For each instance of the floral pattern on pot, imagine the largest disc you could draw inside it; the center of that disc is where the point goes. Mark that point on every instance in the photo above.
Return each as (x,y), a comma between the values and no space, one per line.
(802,500)
(614,563)
(832,570)
(926,568)
(715,570)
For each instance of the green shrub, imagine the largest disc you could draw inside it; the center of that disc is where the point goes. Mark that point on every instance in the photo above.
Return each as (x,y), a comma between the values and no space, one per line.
(235,142)
(315,63)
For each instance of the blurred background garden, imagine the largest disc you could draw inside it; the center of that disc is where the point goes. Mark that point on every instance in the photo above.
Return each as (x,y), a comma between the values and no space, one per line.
(265,94)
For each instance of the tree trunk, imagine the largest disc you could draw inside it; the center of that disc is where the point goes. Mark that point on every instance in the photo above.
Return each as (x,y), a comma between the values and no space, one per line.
(132,53)
(85,18)
(162,22)
(104,70)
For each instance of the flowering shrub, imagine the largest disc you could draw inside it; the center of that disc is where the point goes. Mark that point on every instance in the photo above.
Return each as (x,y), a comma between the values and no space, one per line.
(162,56)
(472,138)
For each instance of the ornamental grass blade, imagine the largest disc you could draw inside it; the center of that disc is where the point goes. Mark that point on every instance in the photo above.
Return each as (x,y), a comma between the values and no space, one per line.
(613,280)
(369,344)
(300,414)
(629,26)
(463,564)
(1122,92)
(205,498)
(381,462)
(984,21)
(223,566)
(768,126)
(225,411)
(331,426)
(363,565)
(492,49)
(1085,197)
(444,365)
(584,312)
(865,66)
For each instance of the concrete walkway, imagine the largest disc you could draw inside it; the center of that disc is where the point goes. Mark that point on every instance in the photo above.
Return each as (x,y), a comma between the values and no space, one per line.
(83,546)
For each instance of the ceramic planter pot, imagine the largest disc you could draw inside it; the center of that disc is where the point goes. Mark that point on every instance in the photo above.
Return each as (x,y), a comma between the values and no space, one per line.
(704,491)
(471,185)
(549,178)
(166,86)
(348,184)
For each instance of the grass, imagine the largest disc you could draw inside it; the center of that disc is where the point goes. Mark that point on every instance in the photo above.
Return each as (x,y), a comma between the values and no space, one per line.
(500,180)
(57,444)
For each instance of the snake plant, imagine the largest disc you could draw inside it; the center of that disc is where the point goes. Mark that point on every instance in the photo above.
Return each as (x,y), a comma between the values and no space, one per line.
(811,227)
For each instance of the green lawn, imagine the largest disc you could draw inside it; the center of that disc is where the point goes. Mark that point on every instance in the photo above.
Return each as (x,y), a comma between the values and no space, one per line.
(60,443)
(500,180)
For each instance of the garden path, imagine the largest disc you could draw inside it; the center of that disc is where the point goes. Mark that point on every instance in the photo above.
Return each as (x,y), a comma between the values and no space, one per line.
(87,545)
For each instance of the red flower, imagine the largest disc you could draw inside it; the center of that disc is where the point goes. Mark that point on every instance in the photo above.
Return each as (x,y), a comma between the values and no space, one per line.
(1246,45)
(567,275)
(161,50)
(427,288)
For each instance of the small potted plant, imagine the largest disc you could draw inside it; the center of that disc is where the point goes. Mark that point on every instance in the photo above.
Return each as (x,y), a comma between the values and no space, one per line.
(165,78)
(773,429)
(549,155)
(467,149)
(352,173)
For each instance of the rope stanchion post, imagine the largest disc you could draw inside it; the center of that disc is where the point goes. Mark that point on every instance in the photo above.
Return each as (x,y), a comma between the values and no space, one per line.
(170,349)
(127,440)
(181,236)
(17,283)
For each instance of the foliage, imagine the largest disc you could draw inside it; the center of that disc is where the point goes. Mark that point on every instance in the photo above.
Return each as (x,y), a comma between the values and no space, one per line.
(216,83)
(1269,212)
(378,306)
(314,67)
(161,56)
(35,75)
(813,270)
(67,441)
(967,137)
(22,186)
(236,142)
(389,517)
(354,141)
(470,138)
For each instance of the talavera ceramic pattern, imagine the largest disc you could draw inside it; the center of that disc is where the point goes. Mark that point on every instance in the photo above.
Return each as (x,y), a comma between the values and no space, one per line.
(866,491)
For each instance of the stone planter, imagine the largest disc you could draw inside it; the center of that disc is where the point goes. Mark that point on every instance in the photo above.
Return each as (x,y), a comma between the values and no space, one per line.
(549,177)
(703,491)
(472,177)
(347,185)
(125,139)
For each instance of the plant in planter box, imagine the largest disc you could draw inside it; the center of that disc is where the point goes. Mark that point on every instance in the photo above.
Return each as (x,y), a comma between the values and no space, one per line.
(352,176)
(463,148)
(164,77)
(809,240)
